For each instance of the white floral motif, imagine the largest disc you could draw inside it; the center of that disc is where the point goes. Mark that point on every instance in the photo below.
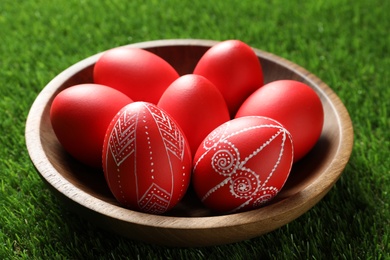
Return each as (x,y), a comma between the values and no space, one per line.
(226,158)
(122,138)
(123,143)
(243,182)
(215,136)
(155,200)
(173,139)
(268,193)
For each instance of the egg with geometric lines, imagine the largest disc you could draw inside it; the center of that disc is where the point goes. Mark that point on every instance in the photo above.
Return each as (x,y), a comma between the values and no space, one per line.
(146,159)
(242,164)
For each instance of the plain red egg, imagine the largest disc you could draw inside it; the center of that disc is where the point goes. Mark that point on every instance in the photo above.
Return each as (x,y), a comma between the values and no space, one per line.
(233,67)
(140,74)
(146,159)
(80,116)
(196,105)
(295,105)
(242,164)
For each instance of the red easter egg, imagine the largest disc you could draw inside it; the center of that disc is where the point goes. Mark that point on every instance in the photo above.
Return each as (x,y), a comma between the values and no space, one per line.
(295,105)
(80,116)
(242,164)
(146,159)
(196,105)
(233,67)
(140,74)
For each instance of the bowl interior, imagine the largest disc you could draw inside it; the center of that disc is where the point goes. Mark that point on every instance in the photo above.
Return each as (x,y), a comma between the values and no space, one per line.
(184,58)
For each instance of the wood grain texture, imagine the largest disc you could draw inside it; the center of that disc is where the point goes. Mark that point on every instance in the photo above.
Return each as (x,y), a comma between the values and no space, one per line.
(189,223)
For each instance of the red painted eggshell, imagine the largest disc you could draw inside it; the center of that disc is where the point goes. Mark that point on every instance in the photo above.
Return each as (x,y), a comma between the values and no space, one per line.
(80,116)
(233,67)
(196,105)
(146,159)
(295,105)
(140,74)
(242,164)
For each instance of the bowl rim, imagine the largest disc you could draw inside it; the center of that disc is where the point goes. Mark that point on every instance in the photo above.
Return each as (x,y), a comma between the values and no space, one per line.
(289,205)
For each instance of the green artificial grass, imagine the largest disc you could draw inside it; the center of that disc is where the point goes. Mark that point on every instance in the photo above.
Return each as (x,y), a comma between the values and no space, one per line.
(345,43)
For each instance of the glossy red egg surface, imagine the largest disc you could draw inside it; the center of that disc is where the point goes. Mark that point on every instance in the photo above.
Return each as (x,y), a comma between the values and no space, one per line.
(80,116)
(146,159)
(233,67)
(242,164)
(138,73)
(295,105)
(196,105)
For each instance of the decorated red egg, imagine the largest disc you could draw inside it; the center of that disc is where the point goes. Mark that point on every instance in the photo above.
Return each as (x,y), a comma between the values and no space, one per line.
(242,164)
(80,116)
(196,105)
(140,74)
(295,105)
(146,159)
(233,67)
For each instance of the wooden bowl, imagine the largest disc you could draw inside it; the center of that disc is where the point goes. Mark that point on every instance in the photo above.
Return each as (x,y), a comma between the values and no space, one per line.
(189,223)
